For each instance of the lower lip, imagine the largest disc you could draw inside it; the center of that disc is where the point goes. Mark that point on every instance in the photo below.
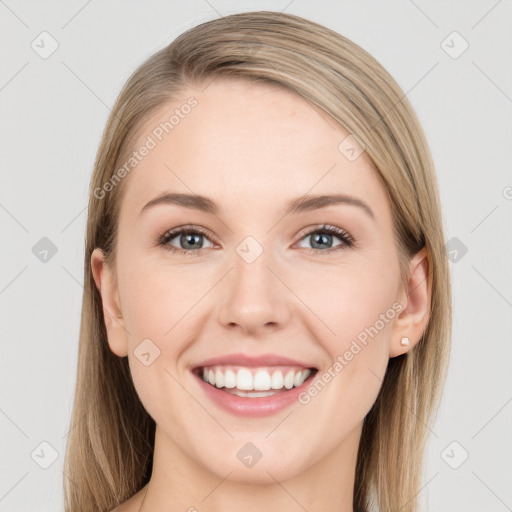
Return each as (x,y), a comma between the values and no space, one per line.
(253,407)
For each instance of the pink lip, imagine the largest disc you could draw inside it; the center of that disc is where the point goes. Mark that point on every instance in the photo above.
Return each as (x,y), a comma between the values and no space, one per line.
(252,407)
(252,361)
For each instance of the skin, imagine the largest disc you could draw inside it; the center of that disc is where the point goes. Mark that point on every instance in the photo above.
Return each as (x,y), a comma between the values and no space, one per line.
(252,148)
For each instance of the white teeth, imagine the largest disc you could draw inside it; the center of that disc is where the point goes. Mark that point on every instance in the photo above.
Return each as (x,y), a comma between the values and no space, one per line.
(262,380)
(277,380)
(244,380)
(219,379)
(288,380)
(253,394)
(299,378)
(229,379)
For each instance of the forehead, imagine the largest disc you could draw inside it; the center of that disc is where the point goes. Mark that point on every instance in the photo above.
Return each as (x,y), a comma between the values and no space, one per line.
(243,143)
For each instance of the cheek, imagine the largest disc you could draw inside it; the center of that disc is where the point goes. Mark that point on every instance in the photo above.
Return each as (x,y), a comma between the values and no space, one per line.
(356,303)
(347,299)
(157,309)
(156,297)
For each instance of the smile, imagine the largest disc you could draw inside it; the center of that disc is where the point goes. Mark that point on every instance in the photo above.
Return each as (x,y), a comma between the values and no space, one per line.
(254,379)
(253,391)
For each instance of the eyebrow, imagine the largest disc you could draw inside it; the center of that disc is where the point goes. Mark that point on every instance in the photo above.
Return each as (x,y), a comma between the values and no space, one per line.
(301,204)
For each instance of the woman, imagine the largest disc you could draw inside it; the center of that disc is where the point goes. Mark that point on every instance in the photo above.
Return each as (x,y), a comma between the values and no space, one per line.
(267,309)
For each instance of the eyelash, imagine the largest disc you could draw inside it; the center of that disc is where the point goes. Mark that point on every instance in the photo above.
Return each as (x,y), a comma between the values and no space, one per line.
(347,240)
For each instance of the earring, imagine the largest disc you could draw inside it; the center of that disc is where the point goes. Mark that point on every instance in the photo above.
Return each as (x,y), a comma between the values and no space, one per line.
(404,342)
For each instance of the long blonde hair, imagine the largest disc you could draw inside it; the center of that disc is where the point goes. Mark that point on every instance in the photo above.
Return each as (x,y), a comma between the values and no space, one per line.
(110,447)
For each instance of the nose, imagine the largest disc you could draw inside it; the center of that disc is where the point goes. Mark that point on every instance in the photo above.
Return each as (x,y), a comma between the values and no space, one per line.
(253,299)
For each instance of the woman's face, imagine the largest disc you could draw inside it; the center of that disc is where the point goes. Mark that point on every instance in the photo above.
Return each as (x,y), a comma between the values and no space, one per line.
(256,280)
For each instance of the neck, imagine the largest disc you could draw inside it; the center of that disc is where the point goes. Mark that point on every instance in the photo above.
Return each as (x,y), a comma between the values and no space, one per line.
(180,482)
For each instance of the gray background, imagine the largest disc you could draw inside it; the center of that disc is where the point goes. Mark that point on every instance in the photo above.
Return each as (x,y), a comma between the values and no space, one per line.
(53,111)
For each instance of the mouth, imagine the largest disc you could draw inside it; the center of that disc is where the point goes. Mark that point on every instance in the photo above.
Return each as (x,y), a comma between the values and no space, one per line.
(253,391)
(254,382)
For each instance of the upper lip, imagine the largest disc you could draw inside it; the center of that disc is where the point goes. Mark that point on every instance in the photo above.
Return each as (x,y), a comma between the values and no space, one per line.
(252,361)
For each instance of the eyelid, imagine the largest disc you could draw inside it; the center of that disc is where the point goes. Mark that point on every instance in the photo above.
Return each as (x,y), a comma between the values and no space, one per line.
(347,239)
(164,239)
(322,227)
(338,232)
(186,227)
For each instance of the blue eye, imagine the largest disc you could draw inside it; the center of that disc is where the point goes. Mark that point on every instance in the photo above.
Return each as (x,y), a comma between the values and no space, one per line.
(324,235)
(190,240)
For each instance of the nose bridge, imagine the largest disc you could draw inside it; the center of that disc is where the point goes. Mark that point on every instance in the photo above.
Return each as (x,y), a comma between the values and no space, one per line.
(253,298)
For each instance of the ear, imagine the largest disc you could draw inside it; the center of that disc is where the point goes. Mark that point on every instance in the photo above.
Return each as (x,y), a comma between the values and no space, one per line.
(107,286)
(413,319)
